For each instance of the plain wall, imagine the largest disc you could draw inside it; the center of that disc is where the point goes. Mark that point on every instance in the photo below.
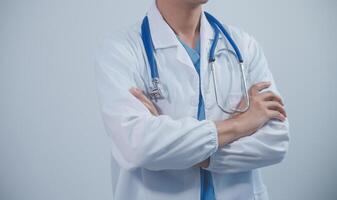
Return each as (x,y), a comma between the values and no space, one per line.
(52,141)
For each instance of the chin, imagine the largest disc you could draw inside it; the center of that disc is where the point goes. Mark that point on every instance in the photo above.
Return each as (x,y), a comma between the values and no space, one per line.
(197,1)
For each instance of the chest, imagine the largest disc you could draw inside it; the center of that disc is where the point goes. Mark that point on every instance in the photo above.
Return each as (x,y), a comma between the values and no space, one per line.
(184,86)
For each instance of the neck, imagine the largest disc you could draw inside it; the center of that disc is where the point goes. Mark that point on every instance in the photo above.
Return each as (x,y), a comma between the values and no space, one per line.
(182,17)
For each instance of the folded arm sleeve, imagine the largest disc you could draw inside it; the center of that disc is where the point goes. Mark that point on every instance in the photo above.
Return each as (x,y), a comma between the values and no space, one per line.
(266,146)
(140,139)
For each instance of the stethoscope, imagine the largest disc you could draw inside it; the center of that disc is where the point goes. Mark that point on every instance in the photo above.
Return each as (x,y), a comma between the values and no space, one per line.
(157,91)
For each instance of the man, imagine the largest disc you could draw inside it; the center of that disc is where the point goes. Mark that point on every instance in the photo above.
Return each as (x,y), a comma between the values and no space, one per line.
(184,147)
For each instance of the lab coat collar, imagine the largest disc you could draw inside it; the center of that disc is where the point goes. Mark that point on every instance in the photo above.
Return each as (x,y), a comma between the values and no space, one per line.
(162,34)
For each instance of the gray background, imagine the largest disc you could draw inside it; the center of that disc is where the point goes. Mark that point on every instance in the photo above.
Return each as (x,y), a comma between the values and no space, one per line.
(52,141)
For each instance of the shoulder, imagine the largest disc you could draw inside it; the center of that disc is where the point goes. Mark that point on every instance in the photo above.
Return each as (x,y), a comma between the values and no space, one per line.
(248,45)
(120,47)
(238,33)
(245,40)
(121,40)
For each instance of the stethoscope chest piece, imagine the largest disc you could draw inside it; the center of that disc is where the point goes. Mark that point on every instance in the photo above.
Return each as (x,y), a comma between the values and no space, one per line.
(158,90)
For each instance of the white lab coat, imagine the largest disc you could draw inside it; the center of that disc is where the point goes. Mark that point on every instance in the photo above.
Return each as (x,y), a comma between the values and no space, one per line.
(156,155)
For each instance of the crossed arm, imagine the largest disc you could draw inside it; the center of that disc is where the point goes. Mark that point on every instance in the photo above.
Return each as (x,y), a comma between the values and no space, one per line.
(264,106)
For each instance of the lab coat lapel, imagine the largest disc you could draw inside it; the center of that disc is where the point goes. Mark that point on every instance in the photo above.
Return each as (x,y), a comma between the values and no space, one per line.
(162,34)
(206,36)
(183,56)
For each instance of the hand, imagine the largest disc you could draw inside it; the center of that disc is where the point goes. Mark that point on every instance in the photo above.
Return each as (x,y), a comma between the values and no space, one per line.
(264,106)
(139,94)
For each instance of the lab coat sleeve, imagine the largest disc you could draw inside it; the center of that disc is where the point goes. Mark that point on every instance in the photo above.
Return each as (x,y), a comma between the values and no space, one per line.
(266,146)
(139,139)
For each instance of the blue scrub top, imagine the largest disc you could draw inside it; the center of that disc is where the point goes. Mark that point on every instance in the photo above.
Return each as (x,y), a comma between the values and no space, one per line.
(207,189)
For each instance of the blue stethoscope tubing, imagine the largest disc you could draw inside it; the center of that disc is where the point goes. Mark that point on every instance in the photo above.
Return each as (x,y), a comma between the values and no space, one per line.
(157,91)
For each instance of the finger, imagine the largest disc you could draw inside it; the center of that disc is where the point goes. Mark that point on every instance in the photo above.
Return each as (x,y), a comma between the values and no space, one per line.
(142,98)
(275,105)
(152,109)
(273,114)
(138,93)
(134,91)
(256,88)
(271,96)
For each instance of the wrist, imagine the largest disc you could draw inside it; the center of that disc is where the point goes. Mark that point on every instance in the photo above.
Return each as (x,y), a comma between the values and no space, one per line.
(244,126)
(238,125)
(228,131)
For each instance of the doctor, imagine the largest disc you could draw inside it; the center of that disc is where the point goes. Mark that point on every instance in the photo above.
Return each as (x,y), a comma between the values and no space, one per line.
(183,146)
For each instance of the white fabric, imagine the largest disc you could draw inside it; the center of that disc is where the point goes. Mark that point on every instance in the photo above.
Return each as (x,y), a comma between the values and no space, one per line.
(156,155)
